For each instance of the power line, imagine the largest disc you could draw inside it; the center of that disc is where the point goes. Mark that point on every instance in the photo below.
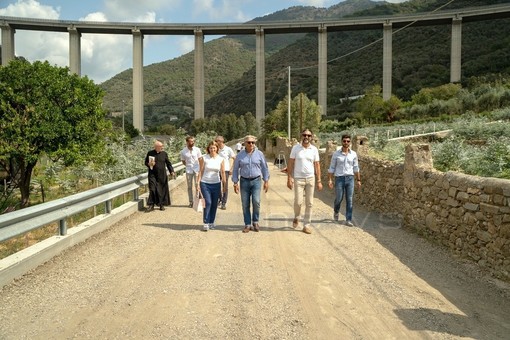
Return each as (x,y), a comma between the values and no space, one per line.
(376,41)
(339,57)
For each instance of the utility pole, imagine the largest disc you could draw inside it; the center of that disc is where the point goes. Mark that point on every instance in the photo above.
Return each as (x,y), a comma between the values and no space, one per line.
(300,112)
(288,108)
(124,130)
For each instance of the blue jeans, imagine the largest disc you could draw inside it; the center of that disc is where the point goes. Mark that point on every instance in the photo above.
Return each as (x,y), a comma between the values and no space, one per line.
(344,185)
(211,193)
(250,189)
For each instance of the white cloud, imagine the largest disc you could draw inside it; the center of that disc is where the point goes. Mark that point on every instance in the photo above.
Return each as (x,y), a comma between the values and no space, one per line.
(102,55)
(186,44)
(138,10)
(31,9)
(34,45)
(226,11)
(96,16)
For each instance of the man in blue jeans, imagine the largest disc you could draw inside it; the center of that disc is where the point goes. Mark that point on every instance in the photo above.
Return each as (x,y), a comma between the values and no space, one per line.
(250,168)
(344,166)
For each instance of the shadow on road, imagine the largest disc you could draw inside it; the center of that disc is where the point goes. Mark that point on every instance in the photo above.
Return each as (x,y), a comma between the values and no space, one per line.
(484,300)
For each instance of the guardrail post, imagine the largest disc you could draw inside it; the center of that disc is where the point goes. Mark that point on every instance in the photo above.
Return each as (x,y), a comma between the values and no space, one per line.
(136,194)
(108,206)
(62,227)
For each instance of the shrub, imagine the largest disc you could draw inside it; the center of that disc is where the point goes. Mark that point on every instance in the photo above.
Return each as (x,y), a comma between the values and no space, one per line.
(448,154)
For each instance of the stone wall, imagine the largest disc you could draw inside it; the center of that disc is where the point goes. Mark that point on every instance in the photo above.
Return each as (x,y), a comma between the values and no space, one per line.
(468,214)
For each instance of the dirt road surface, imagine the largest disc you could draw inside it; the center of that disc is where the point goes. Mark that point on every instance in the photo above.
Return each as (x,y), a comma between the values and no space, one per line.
(157,276)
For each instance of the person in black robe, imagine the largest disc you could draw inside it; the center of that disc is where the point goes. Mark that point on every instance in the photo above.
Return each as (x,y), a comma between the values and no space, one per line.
(157,163)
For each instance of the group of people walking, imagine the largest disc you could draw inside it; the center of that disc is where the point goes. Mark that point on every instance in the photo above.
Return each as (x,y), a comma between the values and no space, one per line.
(208,176)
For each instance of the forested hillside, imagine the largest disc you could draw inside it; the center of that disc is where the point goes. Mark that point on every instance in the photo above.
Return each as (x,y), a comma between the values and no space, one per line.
(421,58)
(168,86)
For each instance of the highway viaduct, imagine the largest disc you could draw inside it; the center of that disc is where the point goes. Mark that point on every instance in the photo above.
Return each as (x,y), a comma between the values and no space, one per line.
(387,24)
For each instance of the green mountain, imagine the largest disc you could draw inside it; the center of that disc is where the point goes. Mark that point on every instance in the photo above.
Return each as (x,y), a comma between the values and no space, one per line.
(168,86)
(421,58)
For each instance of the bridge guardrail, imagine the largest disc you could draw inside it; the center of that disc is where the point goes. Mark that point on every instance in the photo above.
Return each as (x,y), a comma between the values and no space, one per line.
(22,221)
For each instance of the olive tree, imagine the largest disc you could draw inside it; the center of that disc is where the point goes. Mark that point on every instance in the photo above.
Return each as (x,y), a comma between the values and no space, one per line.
(47,111)
(304,113)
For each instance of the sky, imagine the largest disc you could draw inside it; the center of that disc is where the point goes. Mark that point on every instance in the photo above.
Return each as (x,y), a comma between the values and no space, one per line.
(102,55)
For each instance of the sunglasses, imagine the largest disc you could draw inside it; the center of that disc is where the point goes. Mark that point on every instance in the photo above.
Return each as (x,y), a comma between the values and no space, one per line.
(250,142)
(346,141)
(306,135)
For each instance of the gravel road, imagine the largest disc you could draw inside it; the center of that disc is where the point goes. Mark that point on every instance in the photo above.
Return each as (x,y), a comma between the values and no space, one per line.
(157,276)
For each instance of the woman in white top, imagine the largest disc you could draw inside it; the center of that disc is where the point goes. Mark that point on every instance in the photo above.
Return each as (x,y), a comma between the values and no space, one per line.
(210,177)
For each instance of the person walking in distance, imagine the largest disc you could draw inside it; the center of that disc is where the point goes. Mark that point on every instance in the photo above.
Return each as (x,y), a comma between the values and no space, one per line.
(189,157)
(157,163)
(249,170)
(211,178)
(239,146)
(303,173)
(345,170)
(226,152)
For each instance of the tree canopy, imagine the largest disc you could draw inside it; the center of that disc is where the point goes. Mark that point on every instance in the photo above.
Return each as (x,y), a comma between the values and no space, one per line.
(304,113)
(45,110)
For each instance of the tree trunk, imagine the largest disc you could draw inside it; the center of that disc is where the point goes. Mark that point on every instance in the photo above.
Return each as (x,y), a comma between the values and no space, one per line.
(24,183)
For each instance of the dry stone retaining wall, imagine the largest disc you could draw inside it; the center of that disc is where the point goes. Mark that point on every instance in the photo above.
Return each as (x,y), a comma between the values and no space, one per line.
(468,214)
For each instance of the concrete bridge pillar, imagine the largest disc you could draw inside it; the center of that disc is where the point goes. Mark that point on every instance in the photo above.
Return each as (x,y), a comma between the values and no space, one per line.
(74,50)
(387,60)
(260,89)
(199,74)
(7,44)
(455,63)
(138,80)
(323,70)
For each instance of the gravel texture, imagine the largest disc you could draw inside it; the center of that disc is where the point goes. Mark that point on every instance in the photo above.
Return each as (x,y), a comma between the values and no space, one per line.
(157,276)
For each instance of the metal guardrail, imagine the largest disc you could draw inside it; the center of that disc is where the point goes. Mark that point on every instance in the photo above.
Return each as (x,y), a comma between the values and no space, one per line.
(22,221)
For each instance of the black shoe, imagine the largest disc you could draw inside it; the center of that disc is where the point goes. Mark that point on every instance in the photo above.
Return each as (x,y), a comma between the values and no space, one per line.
(162,208)
(149,208)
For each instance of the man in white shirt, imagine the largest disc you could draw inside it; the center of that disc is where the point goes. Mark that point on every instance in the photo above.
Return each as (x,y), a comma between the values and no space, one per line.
(226,152)
(303,172)
(239,147)
(189,157)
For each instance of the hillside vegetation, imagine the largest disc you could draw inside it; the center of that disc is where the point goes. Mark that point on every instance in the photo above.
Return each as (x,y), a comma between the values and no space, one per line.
(168,86)
(421,58)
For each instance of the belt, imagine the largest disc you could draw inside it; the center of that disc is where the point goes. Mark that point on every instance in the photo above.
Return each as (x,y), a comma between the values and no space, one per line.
(250,179)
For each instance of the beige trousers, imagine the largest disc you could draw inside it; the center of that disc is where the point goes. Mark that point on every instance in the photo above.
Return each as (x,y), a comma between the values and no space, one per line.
(304,187)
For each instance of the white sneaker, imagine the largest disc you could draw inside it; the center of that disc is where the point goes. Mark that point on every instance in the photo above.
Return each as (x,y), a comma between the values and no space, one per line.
(206,227)
(211,226)
(349,224)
